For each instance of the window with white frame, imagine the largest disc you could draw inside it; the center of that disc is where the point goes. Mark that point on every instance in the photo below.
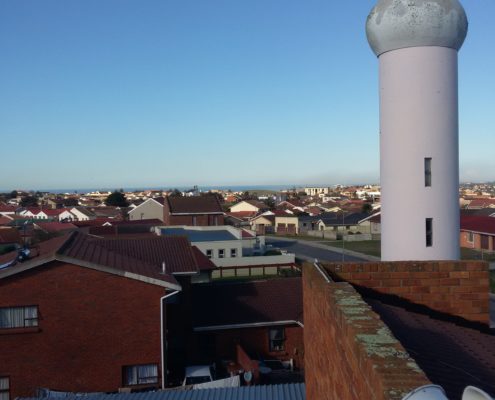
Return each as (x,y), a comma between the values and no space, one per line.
(140,374)
(4,388)
(221,253)
(277,339)
(18,317)
(209,253)
(233,253)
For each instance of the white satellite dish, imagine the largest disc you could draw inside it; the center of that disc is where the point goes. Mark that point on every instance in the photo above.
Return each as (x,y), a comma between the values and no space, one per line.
(427,392)
(473,393)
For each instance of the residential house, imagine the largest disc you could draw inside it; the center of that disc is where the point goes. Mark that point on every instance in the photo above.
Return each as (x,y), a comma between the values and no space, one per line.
(149,209)
(478,232)
(253,206)
(89,342)
(193,211)
(263,224)
(315,191)
(264,317)
(82,214)
(483,202)
(286,223)
(225,245)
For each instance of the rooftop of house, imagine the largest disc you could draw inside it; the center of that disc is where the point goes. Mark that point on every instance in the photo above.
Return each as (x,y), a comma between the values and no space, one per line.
(10,235)
(195,235)
(194,205)
(177,253)
(478,224)
(55,226)
(287,391)
(246,303)
(87,251)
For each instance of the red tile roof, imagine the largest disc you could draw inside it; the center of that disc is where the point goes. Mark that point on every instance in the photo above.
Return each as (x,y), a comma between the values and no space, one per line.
(203,262)
(479,224)
(6,208)
(10,235)
(5,220)
(85,250)
(232,303)
(55,226)
(194,205)
(175,251)
(481,203)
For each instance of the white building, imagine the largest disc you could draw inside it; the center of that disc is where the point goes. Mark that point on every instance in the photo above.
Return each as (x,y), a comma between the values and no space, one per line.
(419,163)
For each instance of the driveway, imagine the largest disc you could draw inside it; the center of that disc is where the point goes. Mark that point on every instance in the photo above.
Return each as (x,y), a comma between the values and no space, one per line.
(308,251)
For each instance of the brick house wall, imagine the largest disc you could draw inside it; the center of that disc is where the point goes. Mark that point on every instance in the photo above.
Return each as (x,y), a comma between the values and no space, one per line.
(91,325)
(349,353)
(255,341)
(478,242)
(459,288)
(196,220)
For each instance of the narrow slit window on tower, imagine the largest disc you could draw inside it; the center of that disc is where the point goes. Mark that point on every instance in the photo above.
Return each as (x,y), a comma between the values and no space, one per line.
(428,171)
(429,232)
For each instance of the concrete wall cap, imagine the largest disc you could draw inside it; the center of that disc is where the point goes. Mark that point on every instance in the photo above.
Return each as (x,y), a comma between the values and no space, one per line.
(397,24)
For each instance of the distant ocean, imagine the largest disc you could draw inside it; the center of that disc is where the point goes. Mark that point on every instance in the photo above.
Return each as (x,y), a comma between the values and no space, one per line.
(234,188)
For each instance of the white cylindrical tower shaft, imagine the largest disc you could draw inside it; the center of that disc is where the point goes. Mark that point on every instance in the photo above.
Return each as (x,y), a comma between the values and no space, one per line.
(417,43)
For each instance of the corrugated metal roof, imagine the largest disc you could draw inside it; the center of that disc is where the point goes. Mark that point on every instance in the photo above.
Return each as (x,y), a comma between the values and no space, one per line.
(288,391)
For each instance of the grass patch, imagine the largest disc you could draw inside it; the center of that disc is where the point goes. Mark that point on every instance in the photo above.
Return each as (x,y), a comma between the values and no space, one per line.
(492,281)
(470,254)
(370,247)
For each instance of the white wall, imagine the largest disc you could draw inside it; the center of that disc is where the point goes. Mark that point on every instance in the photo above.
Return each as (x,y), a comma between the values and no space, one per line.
(418,119)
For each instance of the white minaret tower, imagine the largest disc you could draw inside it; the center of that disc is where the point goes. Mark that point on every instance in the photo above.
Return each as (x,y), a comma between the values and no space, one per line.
(416,42)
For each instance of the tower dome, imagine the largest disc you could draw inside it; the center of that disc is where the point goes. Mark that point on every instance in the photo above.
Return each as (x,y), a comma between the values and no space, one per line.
(396,24)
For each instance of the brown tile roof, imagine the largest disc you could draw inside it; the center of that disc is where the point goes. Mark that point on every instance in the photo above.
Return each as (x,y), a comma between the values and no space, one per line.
(5,220)
(55,226)
(203,262)
(194,205)
(232,303)
(10,235)
(175,251)
(451,355)
(85,250)
(476,223)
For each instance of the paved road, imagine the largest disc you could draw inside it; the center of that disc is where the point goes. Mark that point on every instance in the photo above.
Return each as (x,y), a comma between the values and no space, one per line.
(309,252)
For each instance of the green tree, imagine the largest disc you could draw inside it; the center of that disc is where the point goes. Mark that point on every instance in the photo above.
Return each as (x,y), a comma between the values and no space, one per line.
(116,199)
(29,201)
(13,194)
(367,208)
(175,193)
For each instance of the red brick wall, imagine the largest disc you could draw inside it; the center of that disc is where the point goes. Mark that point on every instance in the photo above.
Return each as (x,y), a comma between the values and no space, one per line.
(349,353)
(459,288)
(254,341)
(91,324)
(476,243)
(201,220)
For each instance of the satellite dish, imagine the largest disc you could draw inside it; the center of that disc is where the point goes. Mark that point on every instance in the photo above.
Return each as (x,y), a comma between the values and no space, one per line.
(473,393)
(427,392)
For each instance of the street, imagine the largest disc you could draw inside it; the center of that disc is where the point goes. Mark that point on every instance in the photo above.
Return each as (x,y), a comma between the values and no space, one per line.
(309,252)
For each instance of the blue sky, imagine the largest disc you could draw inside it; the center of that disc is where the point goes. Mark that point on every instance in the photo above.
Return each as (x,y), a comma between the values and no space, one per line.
(118,93)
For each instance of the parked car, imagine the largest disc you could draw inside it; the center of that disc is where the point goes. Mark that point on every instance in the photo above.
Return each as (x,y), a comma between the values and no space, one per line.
(198,374)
